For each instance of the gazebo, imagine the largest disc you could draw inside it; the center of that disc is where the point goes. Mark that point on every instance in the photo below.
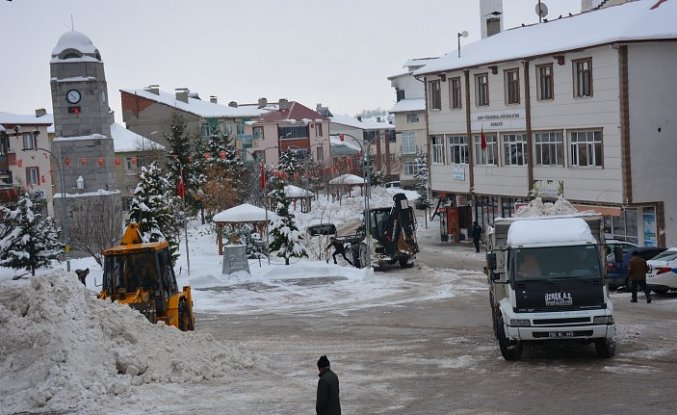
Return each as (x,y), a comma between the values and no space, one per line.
(346,181)
(295,193)
(239,215)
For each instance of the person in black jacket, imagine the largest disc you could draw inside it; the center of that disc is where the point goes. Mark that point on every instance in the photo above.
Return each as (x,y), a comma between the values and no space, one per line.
(339,249)
(328,402)
(476,235)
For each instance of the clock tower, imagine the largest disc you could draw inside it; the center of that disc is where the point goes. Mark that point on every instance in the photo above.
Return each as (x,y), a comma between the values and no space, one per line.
(83,144)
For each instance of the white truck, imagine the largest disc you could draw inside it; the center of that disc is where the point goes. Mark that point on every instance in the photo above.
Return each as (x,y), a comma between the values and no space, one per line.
(547,283)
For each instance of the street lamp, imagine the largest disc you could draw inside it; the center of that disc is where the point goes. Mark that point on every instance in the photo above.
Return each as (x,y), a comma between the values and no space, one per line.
(365,166)
(459,36)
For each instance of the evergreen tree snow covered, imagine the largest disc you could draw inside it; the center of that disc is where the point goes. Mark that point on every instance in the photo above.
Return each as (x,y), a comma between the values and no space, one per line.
(31,242)
(287,240)
(421,177)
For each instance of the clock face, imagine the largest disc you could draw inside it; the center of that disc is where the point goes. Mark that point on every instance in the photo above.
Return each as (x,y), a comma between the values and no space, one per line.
(73,96)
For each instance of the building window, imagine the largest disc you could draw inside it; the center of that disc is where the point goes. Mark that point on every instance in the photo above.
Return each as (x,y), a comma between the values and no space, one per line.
(400,94)
(514,149)
(293,132)
(583,77)
(438,149)
(512,86)
(408,142)
(30,141)
(412,117)
(32,176)
(435,95)
(487,155)
(455,93)
(549,148)
(257,132)
(410,168)
(545,82)
(205,130)
(320,154)
(318,129)
(624,227)
(482,89)
(458,149)
(240,129)
(586,148)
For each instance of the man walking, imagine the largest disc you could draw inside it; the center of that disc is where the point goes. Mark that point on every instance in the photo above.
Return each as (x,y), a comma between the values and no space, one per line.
(637,270)
(328,402)
(476,235)
(339,249)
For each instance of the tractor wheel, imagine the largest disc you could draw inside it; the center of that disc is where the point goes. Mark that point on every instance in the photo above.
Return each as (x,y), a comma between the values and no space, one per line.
(405,264)
(185,317)
(363,255)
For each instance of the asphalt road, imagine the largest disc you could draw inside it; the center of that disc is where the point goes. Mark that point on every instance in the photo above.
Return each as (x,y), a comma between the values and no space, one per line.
(423,356)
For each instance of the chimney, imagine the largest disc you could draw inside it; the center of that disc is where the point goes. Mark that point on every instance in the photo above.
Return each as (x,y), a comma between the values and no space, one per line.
(318,107)
(214,99)
(491,17)
(359,118)
(263,102)
(587,5)
(284,104)
(232,104)
(182,94)
(40,112)
(153,89)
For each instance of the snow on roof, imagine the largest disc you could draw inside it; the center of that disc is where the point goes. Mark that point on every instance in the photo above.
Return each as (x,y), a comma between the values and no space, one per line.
(74,40)
(335,140)
(408,105)
(347,120)
(243,214)
(126,141)
(549,231)
(14,119)
(81,138)
(634,21)
(198,107)
(347,179)
(292,191)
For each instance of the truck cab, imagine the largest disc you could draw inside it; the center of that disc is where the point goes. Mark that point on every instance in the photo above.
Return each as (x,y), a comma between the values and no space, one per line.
(547,283)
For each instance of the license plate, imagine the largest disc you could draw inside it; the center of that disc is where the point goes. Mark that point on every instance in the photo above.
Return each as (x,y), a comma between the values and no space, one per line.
(557,334)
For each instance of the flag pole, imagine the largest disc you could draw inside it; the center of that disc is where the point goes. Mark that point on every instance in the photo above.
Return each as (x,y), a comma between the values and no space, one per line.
(182,194)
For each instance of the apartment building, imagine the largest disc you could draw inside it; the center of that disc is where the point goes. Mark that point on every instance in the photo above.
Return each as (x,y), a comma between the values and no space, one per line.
(579,106)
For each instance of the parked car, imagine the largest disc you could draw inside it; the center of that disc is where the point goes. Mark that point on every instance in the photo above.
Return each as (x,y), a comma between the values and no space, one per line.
(617,271)
(321,229)
(392,184)
(662,274)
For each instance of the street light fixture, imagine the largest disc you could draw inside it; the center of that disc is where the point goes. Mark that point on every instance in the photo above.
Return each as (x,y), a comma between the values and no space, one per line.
(459,36)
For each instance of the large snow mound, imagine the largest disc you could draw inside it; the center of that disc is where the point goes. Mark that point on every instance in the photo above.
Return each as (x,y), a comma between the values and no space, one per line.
(537,207)
(64,349)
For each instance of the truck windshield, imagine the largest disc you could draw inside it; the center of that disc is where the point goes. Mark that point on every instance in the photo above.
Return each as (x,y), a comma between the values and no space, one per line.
(577,262)
(127,273)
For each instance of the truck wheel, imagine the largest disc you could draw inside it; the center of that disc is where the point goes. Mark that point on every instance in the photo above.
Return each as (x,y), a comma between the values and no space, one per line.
(605,347)
(510,349)
(185,317)
(405,264)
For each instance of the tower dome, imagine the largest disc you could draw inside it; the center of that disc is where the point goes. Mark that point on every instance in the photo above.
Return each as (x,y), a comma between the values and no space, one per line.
(73,45)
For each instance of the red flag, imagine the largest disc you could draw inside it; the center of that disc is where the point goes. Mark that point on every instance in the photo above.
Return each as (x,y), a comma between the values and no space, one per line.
(483,140)
(263,177)
(342,137)
(181,188)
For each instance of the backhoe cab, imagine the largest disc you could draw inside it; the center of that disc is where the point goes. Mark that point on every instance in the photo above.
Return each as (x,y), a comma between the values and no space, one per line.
(140,274)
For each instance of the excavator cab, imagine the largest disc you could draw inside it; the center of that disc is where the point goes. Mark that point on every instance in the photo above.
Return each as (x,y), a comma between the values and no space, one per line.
(140,274)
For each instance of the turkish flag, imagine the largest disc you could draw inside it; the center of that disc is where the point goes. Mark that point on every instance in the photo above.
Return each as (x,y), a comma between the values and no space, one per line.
(263,176)
(483,140)
(181,188)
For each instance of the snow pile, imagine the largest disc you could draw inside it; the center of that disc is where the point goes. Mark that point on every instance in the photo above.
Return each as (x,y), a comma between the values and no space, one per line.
(537,207)
(64,349)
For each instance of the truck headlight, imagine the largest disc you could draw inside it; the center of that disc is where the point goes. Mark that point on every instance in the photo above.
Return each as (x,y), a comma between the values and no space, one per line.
(603,320)
(518,322)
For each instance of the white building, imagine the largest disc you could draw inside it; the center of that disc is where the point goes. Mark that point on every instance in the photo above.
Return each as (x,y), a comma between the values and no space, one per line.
(580,104)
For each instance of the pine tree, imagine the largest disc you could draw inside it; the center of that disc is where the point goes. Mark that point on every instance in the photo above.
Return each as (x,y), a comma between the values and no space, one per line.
(290,163)
(421,177)
(287,239)
(154,208)
(31,242)
(186,159)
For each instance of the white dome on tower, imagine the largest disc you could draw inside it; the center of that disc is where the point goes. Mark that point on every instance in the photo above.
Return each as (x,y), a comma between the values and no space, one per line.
(74,45)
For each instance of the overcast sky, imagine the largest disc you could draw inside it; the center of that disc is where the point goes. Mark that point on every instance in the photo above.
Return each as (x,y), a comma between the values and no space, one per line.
(335,52)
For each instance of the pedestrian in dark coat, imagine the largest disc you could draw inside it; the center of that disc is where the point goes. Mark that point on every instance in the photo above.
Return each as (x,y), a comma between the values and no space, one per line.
(339,249)
(476,235)
(637,269)
(328,402)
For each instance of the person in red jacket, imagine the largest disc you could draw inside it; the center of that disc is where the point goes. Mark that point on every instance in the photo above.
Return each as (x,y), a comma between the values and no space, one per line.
(637,270)
(328,402)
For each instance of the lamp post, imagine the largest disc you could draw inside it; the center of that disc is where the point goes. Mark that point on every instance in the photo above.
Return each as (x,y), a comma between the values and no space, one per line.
(365,167)
(459,36)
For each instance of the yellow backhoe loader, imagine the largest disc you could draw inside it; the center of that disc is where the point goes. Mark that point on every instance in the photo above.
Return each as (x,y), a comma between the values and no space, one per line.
(140,274)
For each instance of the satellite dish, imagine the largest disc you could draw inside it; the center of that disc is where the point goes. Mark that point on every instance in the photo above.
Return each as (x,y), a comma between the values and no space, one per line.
(541,10)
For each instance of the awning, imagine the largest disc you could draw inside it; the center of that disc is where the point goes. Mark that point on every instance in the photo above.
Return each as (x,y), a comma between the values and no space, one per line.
(602,210)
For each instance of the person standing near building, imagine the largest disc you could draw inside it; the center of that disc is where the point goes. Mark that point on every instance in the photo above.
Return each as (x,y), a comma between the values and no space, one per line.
(328,402)
(476,235)
(637,269)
